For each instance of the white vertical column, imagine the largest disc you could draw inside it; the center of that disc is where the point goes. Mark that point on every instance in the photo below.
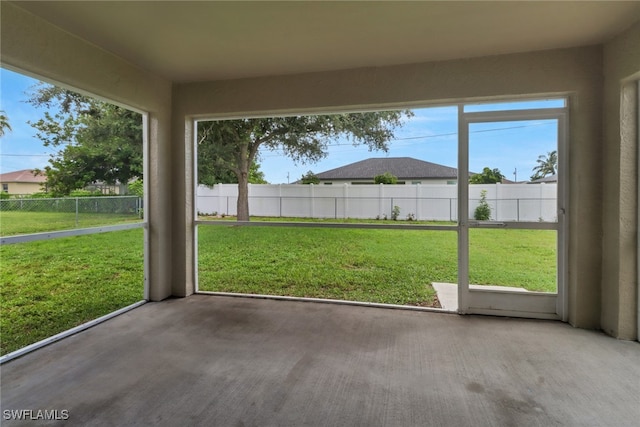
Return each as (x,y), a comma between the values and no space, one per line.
(311,195)
(418,194)
(463,211)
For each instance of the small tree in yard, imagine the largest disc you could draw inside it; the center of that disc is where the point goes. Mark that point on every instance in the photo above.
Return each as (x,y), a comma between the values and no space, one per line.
(483,210)
(385,178)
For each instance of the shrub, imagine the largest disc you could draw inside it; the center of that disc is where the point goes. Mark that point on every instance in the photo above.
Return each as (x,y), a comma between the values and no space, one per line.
(4,195)
(395,213)
(411,217)
(85,193)
(483,211)
(136,188)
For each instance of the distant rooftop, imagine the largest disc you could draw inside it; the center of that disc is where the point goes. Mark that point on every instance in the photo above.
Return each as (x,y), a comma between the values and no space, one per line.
(25,175)
(550,178)
(401,167)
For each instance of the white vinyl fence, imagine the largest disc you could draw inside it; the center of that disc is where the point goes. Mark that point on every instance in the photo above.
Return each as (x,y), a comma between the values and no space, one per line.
(438,202)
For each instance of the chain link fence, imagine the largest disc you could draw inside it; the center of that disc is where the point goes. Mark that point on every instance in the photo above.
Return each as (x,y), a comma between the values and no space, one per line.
(23,216)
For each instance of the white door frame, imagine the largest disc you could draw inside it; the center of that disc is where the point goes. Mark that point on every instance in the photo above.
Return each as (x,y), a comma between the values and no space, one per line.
(505,303)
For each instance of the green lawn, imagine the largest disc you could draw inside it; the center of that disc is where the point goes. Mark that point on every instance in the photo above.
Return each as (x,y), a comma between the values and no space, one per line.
(391,266)
(387,266)
(15,222)
(50,286)
(53,285)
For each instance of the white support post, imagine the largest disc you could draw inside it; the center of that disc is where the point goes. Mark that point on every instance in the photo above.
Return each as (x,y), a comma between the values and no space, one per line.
(313,200)
(346,200)
(418,194)
(380,200)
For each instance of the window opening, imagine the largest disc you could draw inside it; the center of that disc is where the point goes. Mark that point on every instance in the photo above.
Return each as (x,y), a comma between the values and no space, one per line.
(72,224)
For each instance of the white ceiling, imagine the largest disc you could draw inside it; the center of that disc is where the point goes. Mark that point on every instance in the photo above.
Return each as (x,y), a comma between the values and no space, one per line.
(197,41)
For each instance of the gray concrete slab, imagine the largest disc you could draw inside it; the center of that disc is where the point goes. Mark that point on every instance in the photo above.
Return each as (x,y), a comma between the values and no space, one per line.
(224,361)
(448,293)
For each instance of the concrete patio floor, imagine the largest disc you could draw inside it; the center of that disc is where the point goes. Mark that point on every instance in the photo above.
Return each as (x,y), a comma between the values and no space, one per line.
(225,361)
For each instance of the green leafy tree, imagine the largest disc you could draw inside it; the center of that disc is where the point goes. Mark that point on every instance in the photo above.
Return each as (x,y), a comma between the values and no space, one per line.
(213,160)
(233,145)
(97,141)
(4,123)
(547,165)
(310,178)
(385,178)
(487,176)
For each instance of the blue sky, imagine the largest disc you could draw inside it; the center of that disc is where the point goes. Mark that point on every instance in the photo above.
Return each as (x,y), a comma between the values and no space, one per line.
(430,135)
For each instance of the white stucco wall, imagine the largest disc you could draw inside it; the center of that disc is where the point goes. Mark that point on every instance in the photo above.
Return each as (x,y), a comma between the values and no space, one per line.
(620,207)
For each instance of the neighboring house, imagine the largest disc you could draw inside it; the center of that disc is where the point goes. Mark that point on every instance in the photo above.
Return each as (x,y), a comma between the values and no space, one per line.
(108,189)
(407,169)
(545,180)
(22,182)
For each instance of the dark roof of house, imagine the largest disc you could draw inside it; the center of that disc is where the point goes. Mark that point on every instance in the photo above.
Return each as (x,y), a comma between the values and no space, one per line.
(25,175)
(401,167)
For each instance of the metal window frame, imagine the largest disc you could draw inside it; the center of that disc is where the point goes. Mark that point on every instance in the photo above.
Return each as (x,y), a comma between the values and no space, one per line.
(462,222)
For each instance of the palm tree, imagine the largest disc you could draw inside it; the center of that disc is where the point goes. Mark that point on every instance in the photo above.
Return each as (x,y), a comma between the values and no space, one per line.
(547,165)
(4,122)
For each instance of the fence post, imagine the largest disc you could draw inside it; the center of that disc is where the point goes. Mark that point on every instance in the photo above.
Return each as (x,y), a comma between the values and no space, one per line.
(450,210)
(381,200)
(346,201)
(518,206)
(417,203)
(76,211)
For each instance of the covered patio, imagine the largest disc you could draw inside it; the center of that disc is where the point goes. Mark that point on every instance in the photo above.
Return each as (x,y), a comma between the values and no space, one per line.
(189,359)
(229,361)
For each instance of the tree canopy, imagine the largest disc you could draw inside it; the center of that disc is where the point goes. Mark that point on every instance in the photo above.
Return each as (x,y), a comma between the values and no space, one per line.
(4,123)
(310,178)
(487,176)
(233,145)
(547,165)
(97,141)
(385,178)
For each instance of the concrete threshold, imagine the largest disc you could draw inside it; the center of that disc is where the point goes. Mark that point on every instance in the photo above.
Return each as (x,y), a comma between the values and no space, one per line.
(448,293)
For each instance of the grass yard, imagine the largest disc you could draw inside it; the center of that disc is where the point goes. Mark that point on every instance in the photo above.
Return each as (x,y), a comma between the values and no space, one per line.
(520,258)
(389,266)
(50,286)
(16,222)
(386,266)
(53,285)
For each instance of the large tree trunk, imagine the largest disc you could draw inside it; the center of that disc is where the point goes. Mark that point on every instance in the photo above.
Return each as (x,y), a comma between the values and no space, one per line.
(243,196)
(243,185)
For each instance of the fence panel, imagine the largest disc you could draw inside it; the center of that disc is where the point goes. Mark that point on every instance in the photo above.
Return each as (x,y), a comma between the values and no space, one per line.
(25,216)
(438,202)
